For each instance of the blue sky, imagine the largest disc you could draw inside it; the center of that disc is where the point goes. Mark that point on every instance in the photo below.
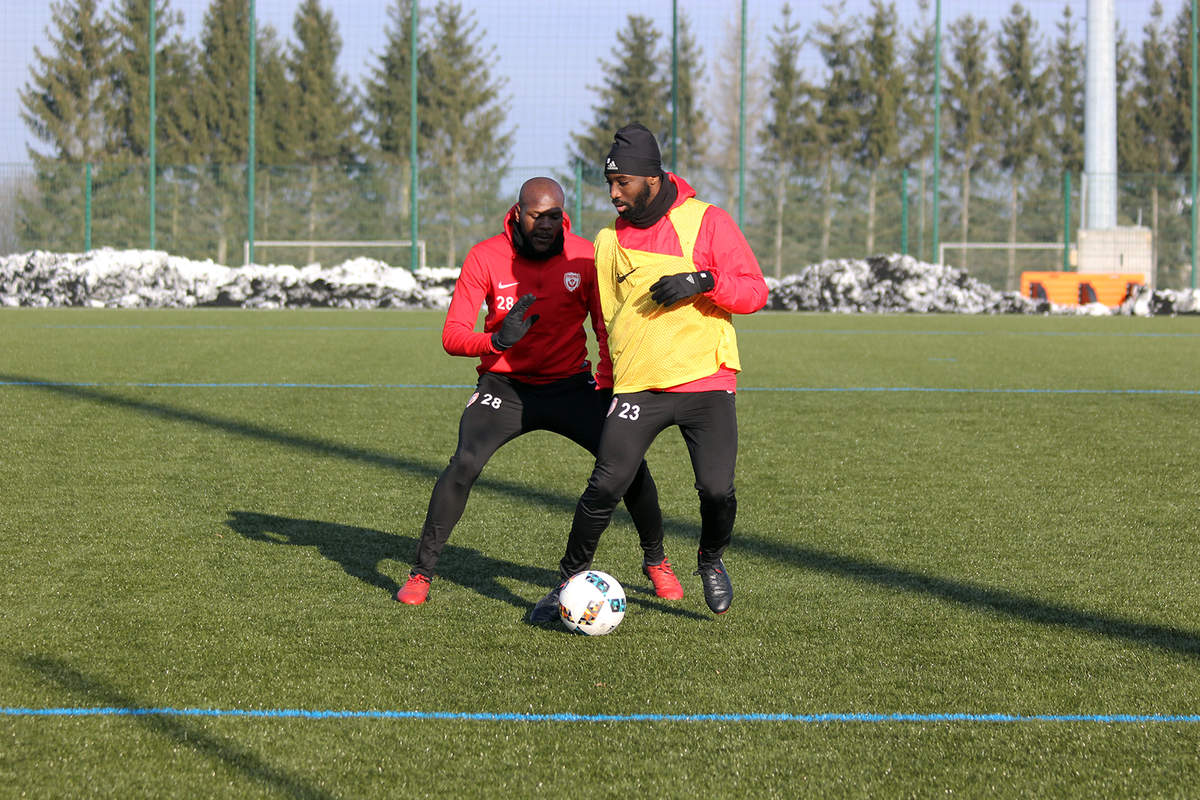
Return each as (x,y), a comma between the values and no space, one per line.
(549,53)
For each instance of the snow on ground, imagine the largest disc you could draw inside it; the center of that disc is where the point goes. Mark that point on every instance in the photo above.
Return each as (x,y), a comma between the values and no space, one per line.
(152,279)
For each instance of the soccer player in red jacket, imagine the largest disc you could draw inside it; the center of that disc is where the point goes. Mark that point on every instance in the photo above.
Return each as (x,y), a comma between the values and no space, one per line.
(531,376)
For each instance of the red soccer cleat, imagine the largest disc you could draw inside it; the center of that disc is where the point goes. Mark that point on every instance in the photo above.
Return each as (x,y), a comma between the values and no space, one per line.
(414,591)
(666,585)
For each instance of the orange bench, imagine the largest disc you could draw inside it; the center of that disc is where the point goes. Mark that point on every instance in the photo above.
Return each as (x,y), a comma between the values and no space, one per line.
(1078,288)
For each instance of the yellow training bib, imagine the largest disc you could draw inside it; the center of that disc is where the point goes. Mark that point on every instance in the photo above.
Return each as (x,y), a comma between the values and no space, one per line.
(653,346)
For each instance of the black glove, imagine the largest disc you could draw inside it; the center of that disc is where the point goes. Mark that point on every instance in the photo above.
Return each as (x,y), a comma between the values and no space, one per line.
(673,288)
(515,324)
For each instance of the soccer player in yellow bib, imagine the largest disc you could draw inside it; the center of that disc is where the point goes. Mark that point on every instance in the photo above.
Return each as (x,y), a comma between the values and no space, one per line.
(671,272)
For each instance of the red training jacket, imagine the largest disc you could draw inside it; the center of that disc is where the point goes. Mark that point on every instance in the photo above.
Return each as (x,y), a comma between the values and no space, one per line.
(722,249)
(555,347)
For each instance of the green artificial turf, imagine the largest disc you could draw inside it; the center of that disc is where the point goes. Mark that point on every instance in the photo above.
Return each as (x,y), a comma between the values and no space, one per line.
(938,515)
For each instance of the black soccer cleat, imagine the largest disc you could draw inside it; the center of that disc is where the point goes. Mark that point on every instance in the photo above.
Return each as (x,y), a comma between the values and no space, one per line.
(718,591)
(546,609)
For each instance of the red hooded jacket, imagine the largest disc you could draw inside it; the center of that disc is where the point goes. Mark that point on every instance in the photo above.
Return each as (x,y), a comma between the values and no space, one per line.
(555,347)
(722,249)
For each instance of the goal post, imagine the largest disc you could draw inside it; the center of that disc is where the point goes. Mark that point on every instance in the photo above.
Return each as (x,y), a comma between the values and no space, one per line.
(377,243)
(944,246)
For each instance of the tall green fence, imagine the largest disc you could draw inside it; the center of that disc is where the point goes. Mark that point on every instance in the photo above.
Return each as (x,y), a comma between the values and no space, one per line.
(553,75)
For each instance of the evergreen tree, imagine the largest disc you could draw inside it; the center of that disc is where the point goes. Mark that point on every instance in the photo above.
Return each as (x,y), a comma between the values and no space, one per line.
(321,107)
(461,119)
(130,112)
(274,125)
(1067,95)
(691,122)
(1180,79)
(1177,110)
(275,149)
(1145,145)
(634,90)
(387,101)
(66,107)
(222,118)
(320,103)
(387,113)
(835,122)
(784,136)
(916,115)
(970,98)
(879,93)
(725,102)
(178,153)
(219,141)
(129,124)
(1019,113)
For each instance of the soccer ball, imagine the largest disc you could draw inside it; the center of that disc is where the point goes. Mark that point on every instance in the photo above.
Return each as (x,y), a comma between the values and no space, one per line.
(592,603)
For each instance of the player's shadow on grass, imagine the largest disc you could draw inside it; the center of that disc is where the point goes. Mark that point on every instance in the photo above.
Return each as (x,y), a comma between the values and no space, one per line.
(360,551)
(971,595)
(986,599)
(296,441)
(95,692)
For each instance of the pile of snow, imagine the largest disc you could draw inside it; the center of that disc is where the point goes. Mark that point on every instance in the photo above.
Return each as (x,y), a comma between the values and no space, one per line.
(898,283)
(153,279)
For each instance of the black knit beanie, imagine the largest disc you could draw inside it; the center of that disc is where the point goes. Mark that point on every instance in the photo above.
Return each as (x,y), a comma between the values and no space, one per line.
(634,152)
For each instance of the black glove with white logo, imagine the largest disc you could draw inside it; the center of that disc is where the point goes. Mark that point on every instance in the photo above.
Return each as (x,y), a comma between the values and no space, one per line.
(515,324)
(673,288)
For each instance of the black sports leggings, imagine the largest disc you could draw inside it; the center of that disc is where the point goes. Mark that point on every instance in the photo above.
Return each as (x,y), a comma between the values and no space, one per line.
(502,409)
(708,422)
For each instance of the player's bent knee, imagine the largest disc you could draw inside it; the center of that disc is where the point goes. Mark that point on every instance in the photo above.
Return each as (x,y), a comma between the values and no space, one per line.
(464,470)
(717,498)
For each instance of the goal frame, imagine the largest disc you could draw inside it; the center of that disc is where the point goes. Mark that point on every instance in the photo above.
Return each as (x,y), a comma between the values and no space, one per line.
(944,246)
(333,243)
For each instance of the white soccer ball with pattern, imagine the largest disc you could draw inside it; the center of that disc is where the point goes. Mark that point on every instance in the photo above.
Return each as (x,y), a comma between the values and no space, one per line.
(592,603)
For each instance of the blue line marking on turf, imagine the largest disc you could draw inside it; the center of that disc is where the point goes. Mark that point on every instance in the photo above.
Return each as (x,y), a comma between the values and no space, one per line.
(745,329)
(233,327)
(247,385)
(961,390)
(898,332)
(797,389)
(466,716)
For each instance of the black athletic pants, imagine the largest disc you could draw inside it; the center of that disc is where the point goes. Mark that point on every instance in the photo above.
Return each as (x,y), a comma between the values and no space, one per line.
(708,422)
(502,409)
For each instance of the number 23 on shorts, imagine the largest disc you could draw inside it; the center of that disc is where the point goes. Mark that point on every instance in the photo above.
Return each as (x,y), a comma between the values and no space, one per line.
(630,411)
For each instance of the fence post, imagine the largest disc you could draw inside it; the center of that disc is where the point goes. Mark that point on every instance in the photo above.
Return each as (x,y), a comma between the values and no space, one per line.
(87,207)
(904,211)
(741,215)
(153,121)
(1067,221)
(414,205)
(937,125)
(674,86)
(578,194)
(1194,142)
(251,156)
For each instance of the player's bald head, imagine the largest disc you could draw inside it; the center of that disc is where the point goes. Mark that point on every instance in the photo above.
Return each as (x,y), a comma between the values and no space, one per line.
(541,192)
(540,217)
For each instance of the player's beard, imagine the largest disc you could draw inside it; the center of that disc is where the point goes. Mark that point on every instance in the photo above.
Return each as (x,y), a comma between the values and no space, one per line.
(525,248)
(638,207)
(645,211)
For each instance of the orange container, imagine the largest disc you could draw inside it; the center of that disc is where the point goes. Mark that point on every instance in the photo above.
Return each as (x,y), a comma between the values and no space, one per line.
(1077,288)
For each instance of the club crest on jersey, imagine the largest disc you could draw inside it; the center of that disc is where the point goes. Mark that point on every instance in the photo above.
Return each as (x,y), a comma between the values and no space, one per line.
(571,281)
(474,397)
